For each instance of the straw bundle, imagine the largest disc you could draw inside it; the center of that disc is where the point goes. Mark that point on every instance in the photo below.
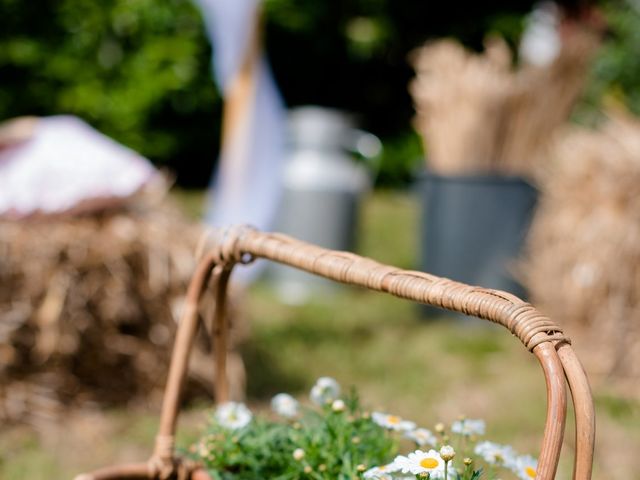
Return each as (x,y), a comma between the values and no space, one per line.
(583,265)
(477,114)
(88,309)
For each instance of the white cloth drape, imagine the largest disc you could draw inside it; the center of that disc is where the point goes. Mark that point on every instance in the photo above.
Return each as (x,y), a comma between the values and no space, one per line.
(247,184)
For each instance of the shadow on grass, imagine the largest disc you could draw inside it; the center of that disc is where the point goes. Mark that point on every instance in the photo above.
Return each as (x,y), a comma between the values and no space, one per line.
(285,338)
(265,374)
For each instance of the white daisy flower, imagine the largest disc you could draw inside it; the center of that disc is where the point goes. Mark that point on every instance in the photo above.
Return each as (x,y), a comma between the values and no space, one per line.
(392,422)
(468,427)
(525,467)
(383,472)
(338,406)
(233,415)
(496,454)
(325,390)
(298,454)
(421,462)
(422,437)
(447,453)
(285,405)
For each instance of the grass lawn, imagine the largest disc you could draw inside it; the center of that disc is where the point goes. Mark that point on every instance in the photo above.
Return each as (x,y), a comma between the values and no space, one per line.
(425,370)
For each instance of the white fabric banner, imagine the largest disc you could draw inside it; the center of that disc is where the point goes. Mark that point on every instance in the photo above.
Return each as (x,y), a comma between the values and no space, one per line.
(247,184)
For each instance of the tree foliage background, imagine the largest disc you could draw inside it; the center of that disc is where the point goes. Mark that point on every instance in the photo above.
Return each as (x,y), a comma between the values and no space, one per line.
(140,70)
(615,76)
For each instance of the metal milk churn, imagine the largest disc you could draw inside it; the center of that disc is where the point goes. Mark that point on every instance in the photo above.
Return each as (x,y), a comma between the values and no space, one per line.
(324,184)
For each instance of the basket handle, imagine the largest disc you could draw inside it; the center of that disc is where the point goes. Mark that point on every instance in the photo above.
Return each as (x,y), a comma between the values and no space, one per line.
(228,247)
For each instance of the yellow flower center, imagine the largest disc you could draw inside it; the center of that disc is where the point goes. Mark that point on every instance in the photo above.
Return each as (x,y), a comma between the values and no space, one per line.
(428,462)
(530,472)
(393,420)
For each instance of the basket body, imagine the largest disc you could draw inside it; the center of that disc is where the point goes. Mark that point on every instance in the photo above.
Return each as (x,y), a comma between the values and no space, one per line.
(230,247)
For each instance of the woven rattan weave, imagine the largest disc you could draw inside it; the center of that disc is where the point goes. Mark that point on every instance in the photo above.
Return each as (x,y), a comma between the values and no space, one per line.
(225,248)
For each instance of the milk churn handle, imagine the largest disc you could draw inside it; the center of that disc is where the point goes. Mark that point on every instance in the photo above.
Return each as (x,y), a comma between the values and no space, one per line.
(368,146)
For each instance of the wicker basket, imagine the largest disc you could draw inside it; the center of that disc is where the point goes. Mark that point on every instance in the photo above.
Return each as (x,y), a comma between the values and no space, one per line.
(240,245)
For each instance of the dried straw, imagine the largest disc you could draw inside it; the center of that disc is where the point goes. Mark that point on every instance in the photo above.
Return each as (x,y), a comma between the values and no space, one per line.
(477,114)
(583,265)
(88,309)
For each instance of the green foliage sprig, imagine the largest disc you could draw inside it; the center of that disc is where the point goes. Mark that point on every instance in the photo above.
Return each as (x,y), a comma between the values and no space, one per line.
(338,439)
(329,442)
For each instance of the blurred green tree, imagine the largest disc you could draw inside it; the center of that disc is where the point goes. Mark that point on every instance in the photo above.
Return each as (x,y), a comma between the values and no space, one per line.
(138,70)
(615,75)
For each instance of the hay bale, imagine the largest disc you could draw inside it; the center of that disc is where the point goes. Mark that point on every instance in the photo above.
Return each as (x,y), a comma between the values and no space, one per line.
(583,262)
(88,309)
